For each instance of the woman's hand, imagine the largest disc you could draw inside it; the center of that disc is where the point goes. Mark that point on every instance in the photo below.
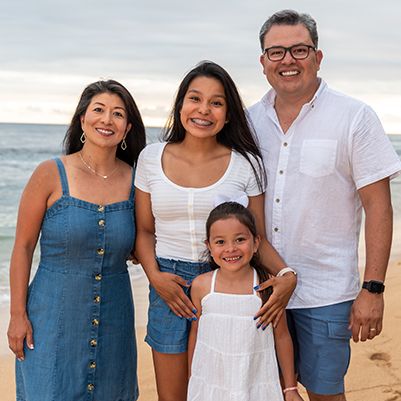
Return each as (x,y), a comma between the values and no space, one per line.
(20,329)
(169,287)
(271,311)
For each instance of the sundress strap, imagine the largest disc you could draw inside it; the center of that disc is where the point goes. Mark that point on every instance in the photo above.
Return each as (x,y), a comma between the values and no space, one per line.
(255,281)
(63,176)
(213,281)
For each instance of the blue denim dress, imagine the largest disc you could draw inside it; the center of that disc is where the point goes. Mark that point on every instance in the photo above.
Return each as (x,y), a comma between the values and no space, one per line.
(80,305)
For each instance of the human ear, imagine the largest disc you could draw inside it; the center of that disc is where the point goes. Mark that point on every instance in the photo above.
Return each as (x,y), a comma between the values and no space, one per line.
(127,129)
(256,243)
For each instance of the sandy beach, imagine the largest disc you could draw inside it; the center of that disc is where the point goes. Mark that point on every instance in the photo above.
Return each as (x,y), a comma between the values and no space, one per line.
(374,373)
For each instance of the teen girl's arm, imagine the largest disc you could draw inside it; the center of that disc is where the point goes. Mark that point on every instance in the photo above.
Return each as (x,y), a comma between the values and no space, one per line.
(200,287)
(34,202)
(284,286)
(285,355)
(167,285)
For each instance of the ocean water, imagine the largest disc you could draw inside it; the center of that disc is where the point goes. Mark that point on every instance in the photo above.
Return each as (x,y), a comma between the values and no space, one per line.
(24,146)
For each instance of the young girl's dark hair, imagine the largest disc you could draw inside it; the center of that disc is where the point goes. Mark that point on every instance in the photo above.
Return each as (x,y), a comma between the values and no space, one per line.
(225,211)
(235,134)
(136,136)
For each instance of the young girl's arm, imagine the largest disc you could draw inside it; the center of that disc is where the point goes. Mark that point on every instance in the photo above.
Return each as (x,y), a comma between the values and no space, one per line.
(200,287)
(285,355)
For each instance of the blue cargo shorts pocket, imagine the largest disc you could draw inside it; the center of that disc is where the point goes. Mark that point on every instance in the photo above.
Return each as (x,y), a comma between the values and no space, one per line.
(337,351)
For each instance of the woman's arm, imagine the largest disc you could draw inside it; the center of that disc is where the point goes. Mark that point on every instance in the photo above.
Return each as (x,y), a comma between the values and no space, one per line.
(167,285)
(285,356)
(33,205)
(284,286)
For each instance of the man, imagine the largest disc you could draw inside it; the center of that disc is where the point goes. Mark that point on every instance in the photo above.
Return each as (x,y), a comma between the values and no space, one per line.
(326,156)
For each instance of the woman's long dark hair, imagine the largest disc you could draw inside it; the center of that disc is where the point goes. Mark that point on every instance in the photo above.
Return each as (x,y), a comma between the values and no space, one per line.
(136,136)
(225,211)
(235,134)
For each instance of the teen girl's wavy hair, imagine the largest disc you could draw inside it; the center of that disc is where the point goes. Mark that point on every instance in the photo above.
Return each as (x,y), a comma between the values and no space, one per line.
(225,211)
(136,136)
(235,134)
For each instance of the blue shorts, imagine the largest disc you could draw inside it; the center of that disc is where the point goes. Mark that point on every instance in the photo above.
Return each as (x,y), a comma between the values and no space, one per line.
(166,332)
(321,346)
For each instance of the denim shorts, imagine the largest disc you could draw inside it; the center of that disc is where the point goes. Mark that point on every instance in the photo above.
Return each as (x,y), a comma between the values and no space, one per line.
(166,332)
(321,346)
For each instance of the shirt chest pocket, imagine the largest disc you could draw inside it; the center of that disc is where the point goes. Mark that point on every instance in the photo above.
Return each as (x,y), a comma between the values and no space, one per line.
(318,157)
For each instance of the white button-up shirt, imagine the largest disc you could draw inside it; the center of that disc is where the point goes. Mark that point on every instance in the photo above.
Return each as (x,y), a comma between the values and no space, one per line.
(313,211)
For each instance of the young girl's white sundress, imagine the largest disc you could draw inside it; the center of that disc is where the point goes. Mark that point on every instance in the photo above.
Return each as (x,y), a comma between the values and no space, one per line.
(233,360)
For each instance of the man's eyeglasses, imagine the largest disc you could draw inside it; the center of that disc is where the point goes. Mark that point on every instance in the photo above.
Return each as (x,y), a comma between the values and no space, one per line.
(299,52)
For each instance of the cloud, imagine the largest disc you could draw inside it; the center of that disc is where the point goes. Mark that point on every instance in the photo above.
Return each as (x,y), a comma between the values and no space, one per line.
(51,50)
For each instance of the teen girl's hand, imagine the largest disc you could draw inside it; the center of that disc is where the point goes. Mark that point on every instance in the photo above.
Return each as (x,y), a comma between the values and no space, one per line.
(169,287)
(20,329)
(272,310)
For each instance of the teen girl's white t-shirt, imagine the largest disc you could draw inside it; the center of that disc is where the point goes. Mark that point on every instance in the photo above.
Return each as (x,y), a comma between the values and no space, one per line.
(180,213)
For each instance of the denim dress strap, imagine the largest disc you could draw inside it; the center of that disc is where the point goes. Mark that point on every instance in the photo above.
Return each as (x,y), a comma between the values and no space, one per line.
(132,192)
(63,176)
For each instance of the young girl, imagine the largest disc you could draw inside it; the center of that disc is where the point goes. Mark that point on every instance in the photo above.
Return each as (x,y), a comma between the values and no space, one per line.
(209,150)
(230,359)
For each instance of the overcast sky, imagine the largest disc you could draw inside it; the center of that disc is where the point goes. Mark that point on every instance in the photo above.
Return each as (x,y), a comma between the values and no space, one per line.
(50,50)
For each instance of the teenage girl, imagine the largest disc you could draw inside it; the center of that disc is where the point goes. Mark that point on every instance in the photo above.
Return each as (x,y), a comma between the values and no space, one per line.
(209,149)
(230,359)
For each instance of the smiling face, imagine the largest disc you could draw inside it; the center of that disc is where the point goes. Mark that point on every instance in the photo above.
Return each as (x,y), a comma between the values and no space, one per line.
(290,77)
(204,109)
(231,244)
(105,120)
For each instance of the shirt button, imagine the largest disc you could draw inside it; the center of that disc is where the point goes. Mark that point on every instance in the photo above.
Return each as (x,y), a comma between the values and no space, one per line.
(281,172)
(275,229)
(100,208)
(96,299)
(95,322)
(191,191)
(194,244)
(277,200)
(192,231)
(102,223)
(190,206)
(91,387)
(93,343)
(92,365)
(98,277)
(100,251)
(192,218)
(285,143)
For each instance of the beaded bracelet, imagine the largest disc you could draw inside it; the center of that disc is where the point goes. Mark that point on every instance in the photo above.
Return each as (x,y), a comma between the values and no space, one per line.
(290,389)
(286,270)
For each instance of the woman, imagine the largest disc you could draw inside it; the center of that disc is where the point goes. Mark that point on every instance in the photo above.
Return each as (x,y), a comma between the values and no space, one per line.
(73,330)
(210,150)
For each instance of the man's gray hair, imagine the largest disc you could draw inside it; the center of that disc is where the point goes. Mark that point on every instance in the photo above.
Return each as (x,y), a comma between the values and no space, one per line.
(289,17)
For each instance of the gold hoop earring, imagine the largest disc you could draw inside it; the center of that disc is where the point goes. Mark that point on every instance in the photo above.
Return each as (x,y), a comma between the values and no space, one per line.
(123,144)
(83,137)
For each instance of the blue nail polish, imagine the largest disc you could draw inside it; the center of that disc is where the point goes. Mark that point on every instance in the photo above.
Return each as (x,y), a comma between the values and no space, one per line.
(255,317)
(189,282)
(194,310)
(189,319)
(275,326)
(264,328)
(256,287)
(180,317)
(194,319)
(258,325)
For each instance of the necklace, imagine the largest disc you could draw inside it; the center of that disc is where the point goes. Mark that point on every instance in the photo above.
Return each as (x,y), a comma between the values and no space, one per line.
(91,169)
